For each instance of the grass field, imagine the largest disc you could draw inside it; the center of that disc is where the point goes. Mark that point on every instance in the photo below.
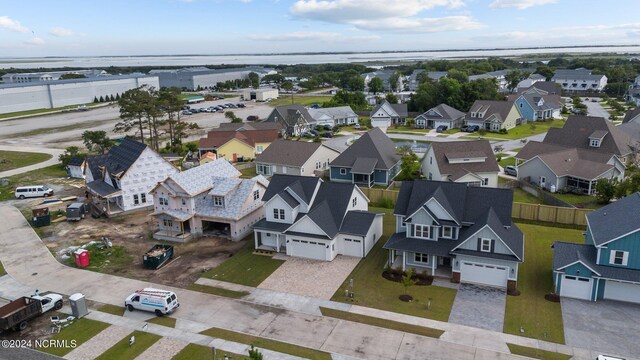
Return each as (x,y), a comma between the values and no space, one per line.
(288,99)
(40,111)
(248,173)
(167,321)
(264,343)
(507,161)
(35,177)
(536,353)
(81,331)
(582,201)
(244,267)
(383,323)
(122,351)
(218,291)
(522,196)
(541,319)
(521,131)
(12,159)
(195,351)
(112,309)
(372,290)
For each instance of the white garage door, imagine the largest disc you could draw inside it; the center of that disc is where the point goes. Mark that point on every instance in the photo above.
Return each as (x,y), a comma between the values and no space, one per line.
(616,290)
(308,249)
(353,247)
(483,274)
(576,287)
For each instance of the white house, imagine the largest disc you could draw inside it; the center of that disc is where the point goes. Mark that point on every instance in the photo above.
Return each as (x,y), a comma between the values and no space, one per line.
(339,115)
(75,167)
(471,162)
(309,218)
(579,80)
(207,199)
(120,180)
(387,114)
(295,158)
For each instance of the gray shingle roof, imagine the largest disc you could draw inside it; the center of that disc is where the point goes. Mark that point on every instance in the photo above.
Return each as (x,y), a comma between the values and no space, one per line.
(631,115)
(394,110)
(119,158)
(616,219)
(577,129)
(289,114)
(495,108)
(101,188)
(364,165)
(444,151)
(358,222)
(373,144)
(567,253)
(442,112)
(287,152)
(303,186)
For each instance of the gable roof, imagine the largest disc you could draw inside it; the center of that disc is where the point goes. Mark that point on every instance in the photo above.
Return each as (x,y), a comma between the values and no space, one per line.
(336,112)
(394,110)
(76,161)
(445,151)
(577,129)
(236,191)
(118,160)
(497,108)
(200,178)
(443,112)
(632,115)
(289,114)
(303,186)
(615,220)
(288,152)
(548,87)
(568,253)
(374,144)
(247,126)
(218,137)
(330,206)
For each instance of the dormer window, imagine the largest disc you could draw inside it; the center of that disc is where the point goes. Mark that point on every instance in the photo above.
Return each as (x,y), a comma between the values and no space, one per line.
(594,143)
(473,114)
(218,201)
(354,202)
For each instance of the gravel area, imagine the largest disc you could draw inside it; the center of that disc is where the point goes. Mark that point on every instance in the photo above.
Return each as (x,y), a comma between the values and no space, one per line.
(163,349)
(99,343)
(307,277)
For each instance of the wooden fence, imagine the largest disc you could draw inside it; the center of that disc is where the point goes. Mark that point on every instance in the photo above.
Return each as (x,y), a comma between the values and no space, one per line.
(551,214)
(531,212)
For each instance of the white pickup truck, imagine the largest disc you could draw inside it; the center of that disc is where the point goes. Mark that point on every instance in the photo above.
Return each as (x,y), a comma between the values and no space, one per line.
(14,315)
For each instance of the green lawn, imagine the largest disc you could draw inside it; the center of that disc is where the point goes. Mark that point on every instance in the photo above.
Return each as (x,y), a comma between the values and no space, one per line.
(122,351)
(372,290)
(452,131)
(40,111)
(35,177)
(12,159)
(581,201)
(541,319)
(244,267)
(409,129)
(507,161)
(264,343)
(195,351)
(286,99)
(536,353)
(248,173)
(102,260)
(218,291)
(81,331)
(521,131)
(522,196)
(383,323)
(167,321)
(112,309)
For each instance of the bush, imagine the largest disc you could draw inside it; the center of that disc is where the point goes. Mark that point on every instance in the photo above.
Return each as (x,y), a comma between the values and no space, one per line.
(384,203)
(482,132)
(503,131)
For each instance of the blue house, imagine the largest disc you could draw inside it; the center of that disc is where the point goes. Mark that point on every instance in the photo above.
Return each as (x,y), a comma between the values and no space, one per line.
(535,104)
(372,159)
(607,265)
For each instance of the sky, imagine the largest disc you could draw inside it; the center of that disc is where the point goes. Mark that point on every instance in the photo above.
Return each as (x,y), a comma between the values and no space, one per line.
(31,28)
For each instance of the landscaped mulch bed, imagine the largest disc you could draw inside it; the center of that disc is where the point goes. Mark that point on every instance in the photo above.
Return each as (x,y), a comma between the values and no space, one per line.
(396,276)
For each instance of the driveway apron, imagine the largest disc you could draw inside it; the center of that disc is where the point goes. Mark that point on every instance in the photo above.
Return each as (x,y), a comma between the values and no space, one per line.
(479,306)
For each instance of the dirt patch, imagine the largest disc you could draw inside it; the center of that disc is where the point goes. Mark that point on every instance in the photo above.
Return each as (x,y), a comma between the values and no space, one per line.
(406,298)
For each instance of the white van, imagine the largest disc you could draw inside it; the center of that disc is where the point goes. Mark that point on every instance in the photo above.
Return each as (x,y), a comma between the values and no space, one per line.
(33,191)
(162,302)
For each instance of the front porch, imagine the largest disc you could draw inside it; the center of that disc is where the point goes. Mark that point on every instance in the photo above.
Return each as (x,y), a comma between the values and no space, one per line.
(169,235)
(437,266)
(269,241)
(106,199)
(363,179)
(173,225)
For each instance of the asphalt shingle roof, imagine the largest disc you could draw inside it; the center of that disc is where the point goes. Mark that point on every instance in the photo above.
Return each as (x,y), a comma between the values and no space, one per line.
(567,253)
(303,186)
(358,222)
(443,112)
(373,144)
(287,152)
(616,219)
(576,132)
(444,152)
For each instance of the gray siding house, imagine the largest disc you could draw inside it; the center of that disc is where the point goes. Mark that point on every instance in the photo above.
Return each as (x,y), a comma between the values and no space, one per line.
(442,114)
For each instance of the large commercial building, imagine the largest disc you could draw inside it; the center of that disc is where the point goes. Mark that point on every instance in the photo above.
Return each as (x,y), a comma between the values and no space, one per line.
(202,77)
(58,93)
(259,94)
(12,78)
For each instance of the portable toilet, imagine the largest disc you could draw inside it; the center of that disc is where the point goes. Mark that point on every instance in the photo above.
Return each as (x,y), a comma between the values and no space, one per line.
(82,258)
(78,305)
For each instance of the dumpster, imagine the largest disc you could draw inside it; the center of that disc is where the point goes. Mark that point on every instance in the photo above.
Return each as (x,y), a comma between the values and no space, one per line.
(81,257)
(157,256)
(78,305)
(40,217)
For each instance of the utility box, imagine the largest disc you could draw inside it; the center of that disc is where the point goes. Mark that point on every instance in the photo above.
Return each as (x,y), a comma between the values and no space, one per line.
(82,258)
(78,305)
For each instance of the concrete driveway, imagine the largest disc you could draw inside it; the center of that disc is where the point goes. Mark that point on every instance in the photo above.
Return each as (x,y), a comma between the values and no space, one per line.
(479,306)
(594,108)
(308,277)
(609,326)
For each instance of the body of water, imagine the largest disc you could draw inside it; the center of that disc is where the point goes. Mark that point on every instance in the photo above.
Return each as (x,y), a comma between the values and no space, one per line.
(280,59)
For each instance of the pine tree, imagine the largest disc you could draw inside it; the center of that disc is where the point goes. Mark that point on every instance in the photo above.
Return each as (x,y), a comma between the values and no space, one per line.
(101,99)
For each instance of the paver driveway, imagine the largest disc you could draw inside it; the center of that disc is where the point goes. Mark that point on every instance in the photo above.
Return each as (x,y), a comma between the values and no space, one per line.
(479,306)
(307,277)
(609,326)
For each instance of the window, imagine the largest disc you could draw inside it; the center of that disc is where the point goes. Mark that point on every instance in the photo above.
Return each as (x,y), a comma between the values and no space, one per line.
(275,214)
(619,257)
(343,171)
(594,143)
(422,231)
(256,194)
(403,224)
(136,201)
(318,165)
(447,232)
(430,160)
(485,182)
(281,214)
(143,198)
(163,201)
(184,201)
(354,202)
(485,245)
(167,223)
(259,149)
(521,105)
(218,201)
(423,258)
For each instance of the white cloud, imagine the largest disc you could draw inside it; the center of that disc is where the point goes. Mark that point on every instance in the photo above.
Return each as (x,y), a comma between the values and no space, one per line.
(421,25)
(35,41)
(519,4)
(60,32)
(311,36)
(8,23)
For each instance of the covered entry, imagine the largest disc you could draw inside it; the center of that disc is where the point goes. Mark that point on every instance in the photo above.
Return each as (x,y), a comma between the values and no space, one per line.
(483,274)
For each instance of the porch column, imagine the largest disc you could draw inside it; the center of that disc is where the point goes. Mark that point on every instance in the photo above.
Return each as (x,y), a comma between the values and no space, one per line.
(108,209)
(255,238)
(404,260)
(277,243)
(182,229)
(433,265)
(589,193)
(390,258)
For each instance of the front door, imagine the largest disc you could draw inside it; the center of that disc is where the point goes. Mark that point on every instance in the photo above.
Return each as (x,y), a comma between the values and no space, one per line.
(446,262)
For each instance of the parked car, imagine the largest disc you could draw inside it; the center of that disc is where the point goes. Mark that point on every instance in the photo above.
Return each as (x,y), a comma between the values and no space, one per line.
(241,105)
(186,107)
(511,170)
(162,302)
(314,106)
(356,126)
(594,100)
(464,128)
(252,118)
(328,127)
(307,134)
(314,133)
(186,112)
(470,128)
(441,128)
(327,134)
(33,191)
(220,97)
